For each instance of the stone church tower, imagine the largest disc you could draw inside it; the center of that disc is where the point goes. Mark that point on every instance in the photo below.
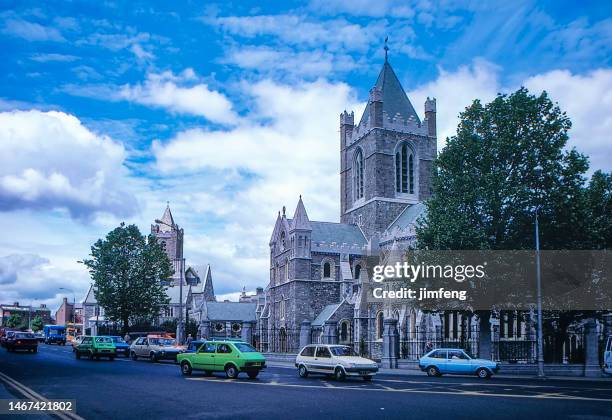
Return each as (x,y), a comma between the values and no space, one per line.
(386,160)
(170,235)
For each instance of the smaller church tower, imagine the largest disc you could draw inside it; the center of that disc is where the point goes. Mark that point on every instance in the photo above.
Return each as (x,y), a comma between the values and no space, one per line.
(170,236)
(300,233)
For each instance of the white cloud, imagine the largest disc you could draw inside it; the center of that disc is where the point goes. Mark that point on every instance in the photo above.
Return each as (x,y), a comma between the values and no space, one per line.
(456,90)
(44,58)
(31,31)
(11,265)
(49,160)
(179,94)
(587,99)
(288,145)
(380,8)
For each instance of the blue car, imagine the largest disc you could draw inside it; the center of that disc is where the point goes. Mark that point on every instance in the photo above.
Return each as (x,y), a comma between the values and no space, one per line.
(121,347)
(456,361)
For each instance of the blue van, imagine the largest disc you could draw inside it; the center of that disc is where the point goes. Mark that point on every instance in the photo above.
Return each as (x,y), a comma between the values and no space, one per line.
(55,334)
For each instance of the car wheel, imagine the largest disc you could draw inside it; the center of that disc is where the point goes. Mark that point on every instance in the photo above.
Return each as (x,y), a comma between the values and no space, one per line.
(367,378)
(186,369)
(302,371)
(134,356)
(433,371)
(483,373)
(153,357)
(231,372)
(339,374)
(253,375)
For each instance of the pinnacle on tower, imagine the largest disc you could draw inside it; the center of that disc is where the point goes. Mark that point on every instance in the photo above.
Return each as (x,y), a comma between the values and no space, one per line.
(300,218)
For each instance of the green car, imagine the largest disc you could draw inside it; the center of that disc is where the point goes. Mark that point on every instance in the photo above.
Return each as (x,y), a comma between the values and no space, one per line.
(231,357)
(96,347)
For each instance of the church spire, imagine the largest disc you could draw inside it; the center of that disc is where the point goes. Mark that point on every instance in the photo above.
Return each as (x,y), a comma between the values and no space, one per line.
(167,220)
(300,218)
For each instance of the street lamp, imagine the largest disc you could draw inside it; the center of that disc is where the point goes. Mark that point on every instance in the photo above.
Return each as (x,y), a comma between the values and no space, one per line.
(180,329)
(538,171)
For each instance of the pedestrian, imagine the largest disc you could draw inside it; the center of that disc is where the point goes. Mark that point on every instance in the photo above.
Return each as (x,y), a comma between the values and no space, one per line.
(189,340)
(127,338)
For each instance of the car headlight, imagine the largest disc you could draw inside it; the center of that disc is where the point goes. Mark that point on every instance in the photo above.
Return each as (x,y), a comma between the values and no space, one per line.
(350,365)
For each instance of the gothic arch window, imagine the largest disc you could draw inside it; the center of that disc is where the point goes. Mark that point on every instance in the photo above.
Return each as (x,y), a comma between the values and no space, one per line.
(282,308)
(345,331)
(358,174)
(379,325)
(404,169)
(357,271)
(328,269)
(277,274)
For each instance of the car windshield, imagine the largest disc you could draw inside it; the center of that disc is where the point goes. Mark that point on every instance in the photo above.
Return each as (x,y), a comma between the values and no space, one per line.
(245,348)
(342,351)
(162,341)
(24,335)
(118,340)
(103,340)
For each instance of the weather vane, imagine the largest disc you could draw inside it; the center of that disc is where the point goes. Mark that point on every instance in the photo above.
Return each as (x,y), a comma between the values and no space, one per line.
(386,48)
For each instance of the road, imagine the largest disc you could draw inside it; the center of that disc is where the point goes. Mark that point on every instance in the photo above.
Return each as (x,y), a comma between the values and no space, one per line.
(126,389)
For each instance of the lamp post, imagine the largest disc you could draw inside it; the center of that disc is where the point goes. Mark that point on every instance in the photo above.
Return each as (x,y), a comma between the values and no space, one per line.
(540,355)
(180,328)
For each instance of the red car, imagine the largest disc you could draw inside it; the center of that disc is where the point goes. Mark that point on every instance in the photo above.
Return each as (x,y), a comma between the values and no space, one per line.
(21,341)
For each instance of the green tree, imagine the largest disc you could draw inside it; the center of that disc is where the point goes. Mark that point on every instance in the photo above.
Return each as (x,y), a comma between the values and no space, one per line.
(127,270)
(37,323)
(508,158)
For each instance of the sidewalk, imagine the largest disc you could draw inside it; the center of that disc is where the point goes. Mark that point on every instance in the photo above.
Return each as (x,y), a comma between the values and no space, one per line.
(416,372)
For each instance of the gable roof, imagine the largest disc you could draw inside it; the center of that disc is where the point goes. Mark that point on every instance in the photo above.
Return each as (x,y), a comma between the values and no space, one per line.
(394,99)
(325,314)
(337,232)
(409,216)
(231,311)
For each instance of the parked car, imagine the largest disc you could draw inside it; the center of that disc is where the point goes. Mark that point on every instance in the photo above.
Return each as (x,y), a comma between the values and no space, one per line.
(608,356)
(4,334)
(194,346)
(231,357)
(39,336)
(96,347)
(155,348)
(76,342)
(55,334)
(339,361)
(17,340)
(121,347)
(456,361)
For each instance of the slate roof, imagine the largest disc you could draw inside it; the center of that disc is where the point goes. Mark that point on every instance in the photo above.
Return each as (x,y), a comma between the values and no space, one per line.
(231,311)
(325,314)
(337,232)
(394,97)
(409,216)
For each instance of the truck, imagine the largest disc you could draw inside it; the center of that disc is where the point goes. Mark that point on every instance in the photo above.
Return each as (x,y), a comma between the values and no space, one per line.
(55,334)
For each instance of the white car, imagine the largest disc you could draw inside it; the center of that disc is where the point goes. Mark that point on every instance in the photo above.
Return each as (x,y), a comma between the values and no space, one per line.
(332,359)
(608,356)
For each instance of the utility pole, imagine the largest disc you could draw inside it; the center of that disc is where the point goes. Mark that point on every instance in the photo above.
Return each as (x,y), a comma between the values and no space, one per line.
(539,298)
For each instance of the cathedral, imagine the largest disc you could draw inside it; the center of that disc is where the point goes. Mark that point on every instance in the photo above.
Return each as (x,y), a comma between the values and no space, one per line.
(317,268)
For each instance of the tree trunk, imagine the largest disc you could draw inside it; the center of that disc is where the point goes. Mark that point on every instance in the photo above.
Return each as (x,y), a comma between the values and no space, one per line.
(126,326)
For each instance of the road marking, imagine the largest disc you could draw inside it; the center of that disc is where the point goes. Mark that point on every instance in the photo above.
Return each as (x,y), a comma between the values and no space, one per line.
(411,390)
(33,395)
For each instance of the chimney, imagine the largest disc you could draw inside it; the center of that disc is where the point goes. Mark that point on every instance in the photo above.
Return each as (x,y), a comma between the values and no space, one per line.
(15,303)
(65,300)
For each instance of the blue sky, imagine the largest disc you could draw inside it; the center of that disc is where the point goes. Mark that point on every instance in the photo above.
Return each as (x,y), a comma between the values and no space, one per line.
(230,111)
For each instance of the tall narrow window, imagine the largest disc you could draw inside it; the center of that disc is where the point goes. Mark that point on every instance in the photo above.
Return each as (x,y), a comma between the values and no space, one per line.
(411,173)
(287,270)
(358,174)
(357,271)
(379,325)
(404,170)
(326,270)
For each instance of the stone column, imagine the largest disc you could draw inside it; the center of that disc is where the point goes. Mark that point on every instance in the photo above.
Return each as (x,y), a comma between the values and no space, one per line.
(204,329)
(247,331)
(330,332)
(591,354)
(484,334)
(305,334)
(390,344)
